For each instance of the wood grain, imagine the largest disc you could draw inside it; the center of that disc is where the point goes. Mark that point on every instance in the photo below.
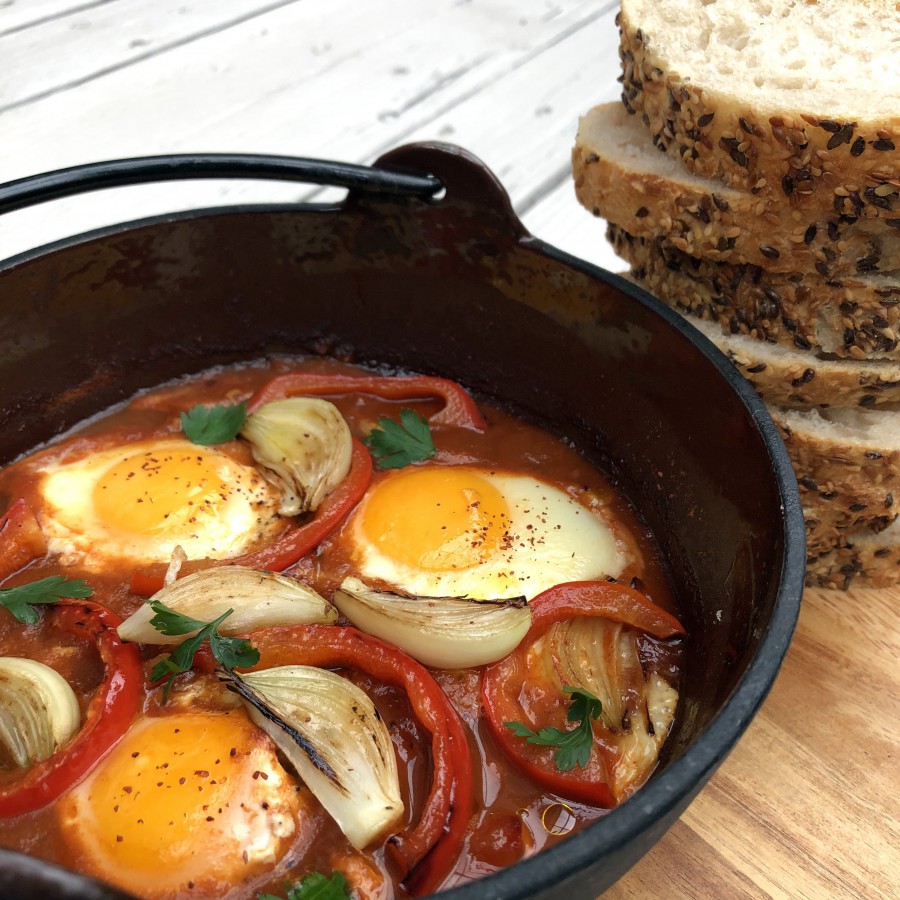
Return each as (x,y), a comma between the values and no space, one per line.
(805,808)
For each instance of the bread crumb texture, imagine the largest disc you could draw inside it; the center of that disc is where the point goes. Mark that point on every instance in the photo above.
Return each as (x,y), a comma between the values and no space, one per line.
(767,94)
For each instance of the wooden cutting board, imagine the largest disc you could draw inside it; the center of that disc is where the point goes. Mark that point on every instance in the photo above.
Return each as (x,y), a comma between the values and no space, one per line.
(806,806)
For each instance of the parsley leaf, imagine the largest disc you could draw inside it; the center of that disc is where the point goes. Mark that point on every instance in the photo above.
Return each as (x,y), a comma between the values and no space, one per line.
(22,599)
(208,425)
(573,747)
(230,652)
(316,886)
(397,444)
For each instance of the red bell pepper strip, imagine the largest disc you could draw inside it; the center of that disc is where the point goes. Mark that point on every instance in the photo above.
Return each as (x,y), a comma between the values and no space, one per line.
(294,543)
(427,851)
(459,408)
(21,539)
(608,599)
(110,713)
(503,680)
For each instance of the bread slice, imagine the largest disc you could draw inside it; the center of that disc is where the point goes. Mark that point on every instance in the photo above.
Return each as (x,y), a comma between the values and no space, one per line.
(799,100)
(855,318)
(798,379)
(860,560)
(848,468)
(620,176)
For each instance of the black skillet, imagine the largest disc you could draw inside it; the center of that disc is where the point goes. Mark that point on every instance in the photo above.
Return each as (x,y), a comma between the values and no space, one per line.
(452,286)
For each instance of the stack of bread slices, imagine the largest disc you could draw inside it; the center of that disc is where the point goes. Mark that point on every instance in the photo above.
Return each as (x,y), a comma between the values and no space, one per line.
(751,179)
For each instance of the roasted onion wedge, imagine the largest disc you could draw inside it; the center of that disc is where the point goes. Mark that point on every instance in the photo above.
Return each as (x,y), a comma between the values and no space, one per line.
(304,447)
(38,712)
(334,737)
(259,600)
(445,633)
(602,657)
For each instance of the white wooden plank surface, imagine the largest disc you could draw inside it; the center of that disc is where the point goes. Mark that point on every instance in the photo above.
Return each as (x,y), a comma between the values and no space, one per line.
(16,15)
(505,79)
(101,40)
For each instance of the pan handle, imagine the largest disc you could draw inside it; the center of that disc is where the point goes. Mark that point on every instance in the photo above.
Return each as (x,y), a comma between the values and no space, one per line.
(180,167)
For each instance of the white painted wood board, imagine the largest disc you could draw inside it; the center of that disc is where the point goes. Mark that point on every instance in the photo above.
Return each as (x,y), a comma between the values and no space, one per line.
(505,79)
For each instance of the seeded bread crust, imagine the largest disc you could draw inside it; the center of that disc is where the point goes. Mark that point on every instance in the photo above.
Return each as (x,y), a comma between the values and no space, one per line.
(851,318)
(828,525)
(860,560)
(652,196)
(798,379)
(805,158)
(848,469)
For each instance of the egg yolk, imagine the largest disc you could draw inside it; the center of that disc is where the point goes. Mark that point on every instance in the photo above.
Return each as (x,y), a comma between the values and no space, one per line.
(157,492)
(137,503)
(194,801)
(436,519)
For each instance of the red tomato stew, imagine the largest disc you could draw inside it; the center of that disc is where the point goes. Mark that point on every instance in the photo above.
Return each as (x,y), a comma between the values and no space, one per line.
(297,624)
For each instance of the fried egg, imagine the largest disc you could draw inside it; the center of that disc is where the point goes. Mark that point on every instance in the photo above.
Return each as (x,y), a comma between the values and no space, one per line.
(462,531)
(194,802)
(138,502)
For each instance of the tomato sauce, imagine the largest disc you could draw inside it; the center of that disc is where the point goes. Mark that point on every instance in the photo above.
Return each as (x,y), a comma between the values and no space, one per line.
(514,817)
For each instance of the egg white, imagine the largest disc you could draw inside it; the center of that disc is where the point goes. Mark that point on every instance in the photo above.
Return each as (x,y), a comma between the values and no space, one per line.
(187,804)
(549,538)
(222,521)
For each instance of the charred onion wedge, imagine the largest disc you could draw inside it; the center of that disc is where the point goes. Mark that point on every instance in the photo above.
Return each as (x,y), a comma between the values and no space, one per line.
(303,446)
(335,739)
(259,600)
(446,633)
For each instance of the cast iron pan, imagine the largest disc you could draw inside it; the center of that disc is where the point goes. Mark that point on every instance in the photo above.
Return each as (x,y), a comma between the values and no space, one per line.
(456,287)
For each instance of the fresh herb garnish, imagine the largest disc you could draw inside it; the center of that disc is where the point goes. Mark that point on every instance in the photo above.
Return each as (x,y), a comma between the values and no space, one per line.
(230,652)
(316,886)
(22,599)
(575,745)
(397,444)
(209,425)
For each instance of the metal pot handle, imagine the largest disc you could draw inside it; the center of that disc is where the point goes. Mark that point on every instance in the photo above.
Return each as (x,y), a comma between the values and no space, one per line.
(180,167)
